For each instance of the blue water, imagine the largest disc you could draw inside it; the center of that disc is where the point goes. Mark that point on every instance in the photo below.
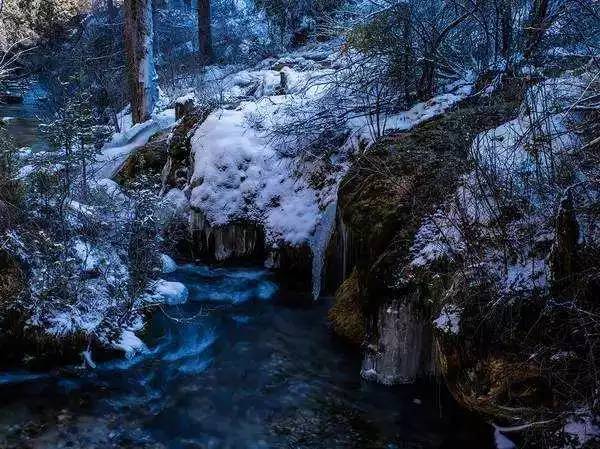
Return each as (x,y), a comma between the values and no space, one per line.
(233,368)
(22,120)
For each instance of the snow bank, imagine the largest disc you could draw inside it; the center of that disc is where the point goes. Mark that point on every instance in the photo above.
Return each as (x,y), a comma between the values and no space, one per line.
(130,344)
(582,429)
(449,319)
(240,176)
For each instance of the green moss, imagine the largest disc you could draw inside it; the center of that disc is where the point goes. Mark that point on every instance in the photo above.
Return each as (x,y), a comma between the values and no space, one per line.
(404,177)
(346,315)
(147,161)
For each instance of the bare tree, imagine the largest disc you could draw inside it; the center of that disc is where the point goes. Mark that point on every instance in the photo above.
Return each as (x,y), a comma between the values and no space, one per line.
(140,58)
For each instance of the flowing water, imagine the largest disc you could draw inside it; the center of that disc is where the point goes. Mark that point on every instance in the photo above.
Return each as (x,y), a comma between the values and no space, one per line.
(233,368)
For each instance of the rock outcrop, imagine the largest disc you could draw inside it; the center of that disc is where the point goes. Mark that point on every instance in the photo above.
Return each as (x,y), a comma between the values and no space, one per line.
(381,204)
(231,242)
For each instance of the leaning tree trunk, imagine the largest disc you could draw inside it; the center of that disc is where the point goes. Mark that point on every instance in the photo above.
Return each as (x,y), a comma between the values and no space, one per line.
(140,58)
(426,82)
(204,32)
(112,9)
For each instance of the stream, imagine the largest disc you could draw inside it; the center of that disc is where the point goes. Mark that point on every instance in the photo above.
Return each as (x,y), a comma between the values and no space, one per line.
(22,120)
(234,368)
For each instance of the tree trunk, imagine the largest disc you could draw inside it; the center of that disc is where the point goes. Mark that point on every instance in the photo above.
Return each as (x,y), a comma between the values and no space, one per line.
(536,28)
(506,27)
(407,57)
(204,32)
(112,9)
(140,58)
(426,82)
(563,254)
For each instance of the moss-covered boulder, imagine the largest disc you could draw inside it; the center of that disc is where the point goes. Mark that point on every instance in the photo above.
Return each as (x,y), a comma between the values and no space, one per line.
(177,170)
(382,202)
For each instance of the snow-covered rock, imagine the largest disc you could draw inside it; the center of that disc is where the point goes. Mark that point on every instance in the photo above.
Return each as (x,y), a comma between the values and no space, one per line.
(168,264)
(130,344)
(171,293)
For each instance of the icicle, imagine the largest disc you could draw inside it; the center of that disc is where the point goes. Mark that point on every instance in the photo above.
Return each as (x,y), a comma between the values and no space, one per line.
(319,246)
(344,245)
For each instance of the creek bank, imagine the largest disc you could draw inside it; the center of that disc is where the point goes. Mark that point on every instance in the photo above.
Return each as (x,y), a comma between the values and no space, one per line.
(382,201)
(456,280)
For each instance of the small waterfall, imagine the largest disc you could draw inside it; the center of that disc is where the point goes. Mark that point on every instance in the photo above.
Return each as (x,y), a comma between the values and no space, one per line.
(319,246)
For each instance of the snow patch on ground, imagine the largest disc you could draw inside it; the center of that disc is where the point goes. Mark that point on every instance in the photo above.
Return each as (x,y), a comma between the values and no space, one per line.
(582,429)
(130,344)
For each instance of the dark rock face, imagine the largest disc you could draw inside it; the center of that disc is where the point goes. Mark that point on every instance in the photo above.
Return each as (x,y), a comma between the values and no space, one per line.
(231,242)
(294,271)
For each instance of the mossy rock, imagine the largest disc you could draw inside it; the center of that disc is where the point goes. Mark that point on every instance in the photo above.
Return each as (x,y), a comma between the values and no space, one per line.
(346,315)
(13,280)
(148,160)
(180,148)
(390,189)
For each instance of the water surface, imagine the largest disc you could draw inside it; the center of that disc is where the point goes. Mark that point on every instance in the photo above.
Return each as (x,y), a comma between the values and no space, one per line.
(234,368)
(22,120)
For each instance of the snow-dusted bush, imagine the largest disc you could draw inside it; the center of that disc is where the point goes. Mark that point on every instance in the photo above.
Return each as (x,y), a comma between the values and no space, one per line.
(89,252)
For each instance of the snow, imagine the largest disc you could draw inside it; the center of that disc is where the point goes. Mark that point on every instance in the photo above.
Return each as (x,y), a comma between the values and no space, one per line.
(582,428)
(527,276)
(122,144)
(168,264)
(186,98)
(89,258)
(172,293)
(88,361)
(239,175)
(449,319)
(110,188)
(501,441)
(130,344)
